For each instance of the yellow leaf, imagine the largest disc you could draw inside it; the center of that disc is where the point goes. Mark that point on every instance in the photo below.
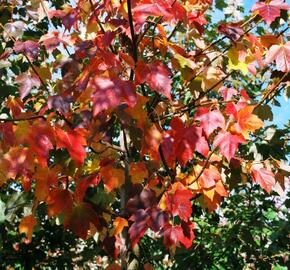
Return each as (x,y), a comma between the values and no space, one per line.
(235,63)
(209,193)
(184,62)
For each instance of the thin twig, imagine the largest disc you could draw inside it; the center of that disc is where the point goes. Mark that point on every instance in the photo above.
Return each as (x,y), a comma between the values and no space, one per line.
(204,166)
(22,118)
(271,91)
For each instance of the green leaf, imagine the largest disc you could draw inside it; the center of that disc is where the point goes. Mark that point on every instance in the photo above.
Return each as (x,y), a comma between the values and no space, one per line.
(264,112)
(2,212)
(279,267)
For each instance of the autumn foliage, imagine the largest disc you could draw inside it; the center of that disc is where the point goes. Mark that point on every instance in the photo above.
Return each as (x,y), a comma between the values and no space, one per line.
(136,101)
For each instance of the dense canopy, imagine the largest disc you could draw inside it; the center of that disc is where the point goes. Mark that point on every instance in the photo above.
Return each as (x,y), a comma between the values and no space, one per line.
(139,131)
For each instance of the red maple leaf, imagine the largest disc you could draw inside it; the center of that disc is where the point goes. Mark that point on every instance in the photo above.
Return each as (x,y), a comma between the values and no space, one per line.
(111,92)
(228,143)
(264,177)
(141,223)
(148,8)
(41,140)
(173,235)
(73,141)
(178,204)
(156,75)
(209,177)
(29,48)
(187,140)
(80,218)
(227,93)
(26,83)
(83,184)
(280,54)
(232,30)
(59,201)
(210,120)
(270,11)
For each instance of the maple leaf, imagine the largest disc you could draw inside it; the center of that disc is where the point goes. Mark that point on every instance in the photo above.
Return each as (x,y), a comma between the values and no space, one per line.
(138,172)
(264,177)
(211,78)
(17,161)
(26,83)
(59,201)
(69,16)
(52,40)
(8,136)
(210,120)
(27,224)
(73,141)
(179,203)
(29,48)
(141,198)
(188,233)
(156,75)
(247,121)
(83,184)
(187,140)
(111,92)
(14,29)
(151,140)
(280,54)
(143,219)
(238,60)
(173,235)
(227,93)
(138,112)
(146,8)
(271,10)
(209,176)
(45,178)
(41,139)
(233,31)
(168,149)
(112,177)
(119,223)
(141,223)
(60,103)
(228,143)
(80,218)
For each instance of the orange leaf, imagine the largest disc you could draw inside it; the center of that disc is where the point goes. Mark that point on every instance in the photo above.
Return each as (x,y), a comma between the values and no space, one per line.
(152,139)
(247,121)
(45,177)
(113,266)
(119,224)
(113,178)
(138,172)
(27,225)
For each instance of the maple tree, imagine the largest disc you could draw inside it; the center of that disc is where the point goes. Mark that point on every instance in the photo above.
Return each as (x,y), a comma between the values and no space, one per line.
(119,118)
